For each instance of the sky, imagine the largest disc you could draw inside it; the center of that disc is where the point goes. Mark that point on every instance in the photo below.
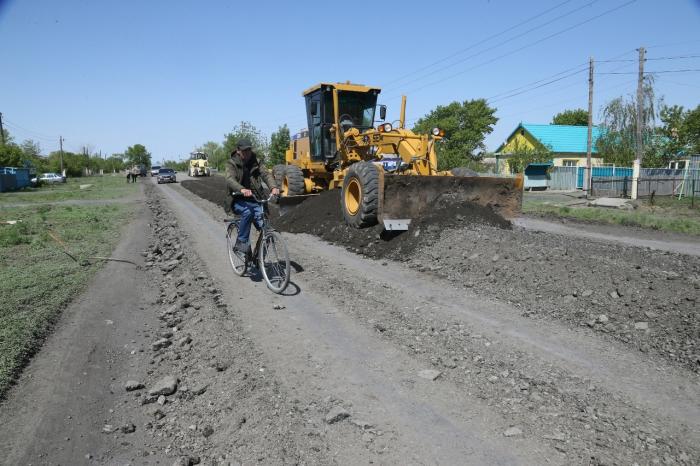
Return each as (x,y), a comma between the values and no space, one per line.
(174,74)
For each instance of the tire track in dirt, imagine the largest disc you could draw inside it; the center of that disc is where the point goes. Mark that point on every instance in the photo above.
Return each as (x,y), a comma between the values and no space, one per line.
(564,405)
(586,396)
(323,353)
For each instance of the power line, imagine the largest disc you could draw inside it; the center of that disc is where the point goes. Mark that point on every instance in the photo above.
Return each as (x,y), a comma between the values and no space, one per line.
(539,81)
(510,39)
(681,84)
(673,44)
(688,70)
(565,101)
(534,82)
(20,132)
(677,57)
(39,135)
(562,31)
(538,86)
(528,87)
(479,42)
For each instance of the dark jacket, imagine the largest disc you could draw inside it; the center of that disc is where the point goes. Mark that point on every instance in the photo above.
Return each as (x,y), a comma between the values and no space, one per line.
(258,174)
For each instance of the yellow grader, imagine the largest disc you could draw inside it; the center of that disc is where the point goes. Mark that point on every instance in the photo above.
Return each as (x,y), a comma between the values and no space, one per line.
(387,173)
(199,165)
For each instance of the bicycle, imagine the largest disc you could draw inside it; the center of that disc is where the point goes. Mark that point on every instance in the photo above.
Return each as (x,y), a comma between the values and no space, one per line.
(270,251)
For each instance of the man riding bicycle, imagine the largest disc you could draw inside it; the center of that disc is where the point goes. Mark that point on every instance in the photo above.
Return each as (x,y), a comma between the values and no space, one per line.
(245,175)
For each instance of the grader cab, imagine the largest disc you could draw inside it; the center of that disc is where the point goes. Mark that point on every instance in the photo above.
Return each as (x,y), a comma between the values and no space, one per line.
(387,173)
(199,164)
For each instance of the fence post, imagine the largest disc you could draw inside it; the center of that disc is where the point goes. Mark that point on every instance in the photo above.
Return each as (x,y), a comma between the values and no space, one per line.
(692,196)
(635,178)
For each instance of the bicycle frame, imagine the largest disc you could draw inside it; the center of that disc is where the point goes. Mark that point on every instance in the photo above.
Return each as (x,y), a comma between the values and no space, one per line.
(264,229)
(279,279)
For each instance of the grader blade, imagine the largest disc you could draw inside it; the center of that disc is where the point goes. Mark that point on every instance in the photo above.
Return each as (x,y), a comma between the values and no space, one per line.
(407,198)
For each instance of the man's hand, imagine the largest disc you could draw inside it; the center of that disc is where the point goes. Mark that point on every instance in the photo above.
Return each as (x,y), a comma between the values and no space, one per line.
(275,191)
(247,192)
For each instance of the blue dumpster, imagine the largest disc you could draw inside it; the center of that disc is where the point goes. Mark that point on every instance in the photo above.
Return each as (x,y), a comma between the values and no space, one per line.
(536,175)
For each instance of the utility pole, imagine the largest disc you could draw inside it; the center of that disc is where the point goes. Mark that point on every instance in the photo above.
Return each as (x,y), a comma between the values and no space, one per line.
(640,106)
(60,144)
(640,124)
(589,144)
(2,131)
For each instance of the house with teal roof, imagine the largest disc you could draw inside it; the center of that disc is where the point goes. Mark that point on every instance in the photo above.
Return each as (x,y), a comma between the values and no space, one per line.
(567,144)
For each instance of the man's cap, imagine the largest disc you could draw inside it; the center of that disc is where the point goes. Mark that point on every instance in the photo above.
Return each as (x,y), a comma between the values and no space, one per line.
(244,143)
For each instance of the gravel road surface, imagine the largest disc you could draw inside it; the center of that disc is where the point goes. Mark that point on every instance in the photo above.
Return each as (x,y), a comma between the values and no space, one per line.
(382,351)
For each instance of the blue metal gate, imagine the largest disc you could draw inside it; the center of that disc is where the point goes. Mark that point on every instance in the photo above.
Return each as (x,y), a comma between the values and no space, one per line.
(603,172)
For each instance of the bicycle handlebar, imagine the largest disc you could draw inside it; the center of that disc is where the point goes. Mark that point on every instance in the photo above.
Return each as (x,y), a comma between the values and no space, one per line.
(253,197)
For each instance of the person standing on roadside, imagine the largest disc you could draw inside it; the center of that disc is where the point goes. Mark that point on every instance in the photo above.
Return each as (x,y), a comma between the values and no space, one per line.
(244,180)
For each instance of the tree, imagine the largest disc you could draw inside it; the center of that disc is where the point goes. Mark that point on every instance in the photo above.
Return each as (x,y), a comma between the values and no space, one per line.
(247,130)
(577,117)
(673,119)
(177,166)
(7,136)
(137,155)
(690,130)
(465,125)
(31,156)
(10,155)
(618,141)
(30,148)
(73,163)
(521,157)
(114,163)
(279,143)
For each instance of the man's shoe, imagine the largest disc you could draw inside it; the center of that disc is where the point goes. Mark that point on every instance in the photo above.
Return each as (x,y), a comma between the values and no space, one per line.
(241,249)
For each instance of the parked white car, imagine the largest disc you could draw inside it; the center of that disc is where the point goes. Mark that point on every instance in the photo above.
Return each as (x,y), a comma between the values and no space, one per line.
(48,178)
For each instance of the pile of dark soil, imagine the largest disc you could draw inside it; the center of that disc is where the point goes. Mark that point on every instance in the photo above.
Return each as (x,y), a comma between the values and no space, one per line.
(322,216)
(212,188)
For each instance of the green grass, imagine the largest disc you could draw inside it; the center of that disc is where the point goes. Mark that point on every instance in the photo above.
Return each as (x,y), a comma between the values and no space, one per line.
(37,280)
(103,187)
(666,214)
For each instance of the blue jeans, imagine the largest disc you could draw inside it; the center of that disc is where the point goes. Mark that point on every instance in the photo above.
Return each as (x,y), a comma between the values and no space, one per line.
(249,212)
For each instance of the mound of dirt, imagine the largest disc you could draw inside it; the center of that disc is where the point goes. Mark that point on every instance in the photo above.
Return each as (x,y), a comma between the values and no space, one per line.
(212,188)
(322,216)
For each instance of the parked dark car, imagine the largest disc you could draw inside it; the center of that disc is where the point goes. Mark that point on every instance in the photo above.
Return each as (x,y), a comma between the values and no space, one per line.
(166,175)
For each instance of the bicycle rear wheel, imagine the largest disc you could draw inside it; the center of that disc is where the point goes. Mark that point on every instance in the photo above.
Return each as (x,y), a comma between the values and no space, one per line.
(274,262)
(238,264)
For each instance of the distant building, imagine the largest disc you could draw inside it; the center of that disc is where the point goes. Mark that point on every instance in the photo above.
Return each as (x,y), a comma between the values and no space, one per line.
(567,144)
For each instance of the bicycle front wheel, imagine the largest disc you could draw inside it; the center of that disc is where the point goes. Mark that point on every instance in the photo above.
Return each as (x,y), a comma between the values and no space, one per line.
(238,263)
(274,262)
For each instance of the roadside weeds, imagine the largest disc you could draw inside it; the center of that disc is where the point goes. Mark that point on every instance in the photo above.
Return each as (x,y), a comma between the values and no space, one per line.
(37,280)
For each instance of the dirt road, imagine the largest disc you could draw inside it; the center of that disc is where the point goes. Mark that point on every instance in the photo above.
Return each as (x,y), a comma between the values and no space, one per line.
(362,361)
(662,241)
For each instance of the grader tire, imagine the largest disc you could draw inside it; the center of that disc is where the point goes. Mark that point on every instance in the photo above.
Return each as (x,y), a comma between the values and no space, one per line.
(463,171)
(359,198)
(278,174)
(293,181)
